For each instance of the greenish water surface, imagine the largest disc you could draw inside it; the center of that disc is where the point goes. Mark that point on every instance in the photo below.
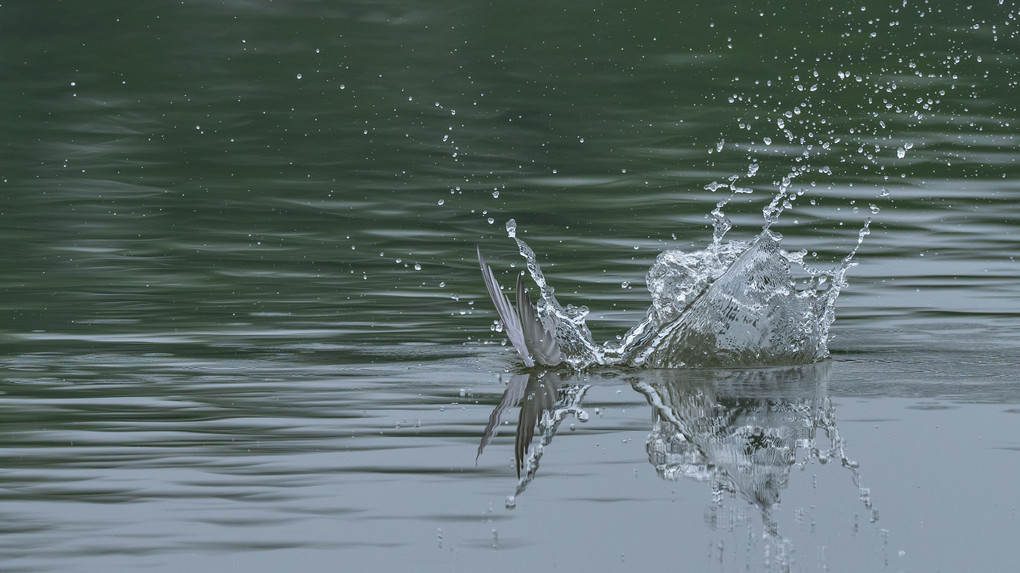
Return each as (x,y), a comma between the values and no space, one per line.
(244,328)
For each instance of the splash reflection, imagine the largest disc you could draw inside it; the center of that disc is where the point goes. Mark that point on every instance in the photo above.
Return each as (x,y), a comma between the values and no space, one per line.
(743,431)
(740,431)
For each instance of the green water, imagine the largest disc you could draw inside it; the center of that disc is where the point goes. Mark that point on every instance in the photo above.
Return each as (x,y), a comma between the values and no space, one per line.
(243,325)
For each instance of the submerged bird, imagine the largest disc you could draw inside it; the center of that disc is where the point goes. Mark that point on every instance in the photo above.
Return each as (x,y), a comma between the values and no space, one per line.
(524,328)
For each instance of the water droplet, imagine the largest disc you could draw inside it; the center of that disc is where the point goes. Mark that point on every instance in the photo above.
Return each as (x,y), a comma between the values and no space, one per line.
(901,153)
(299,76)
(417,267)
(440,202)
(495,193)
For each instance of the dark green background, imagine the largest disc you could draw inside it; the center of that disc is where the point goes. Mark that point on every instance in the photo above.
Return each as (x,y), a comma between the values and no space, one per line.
(181,167)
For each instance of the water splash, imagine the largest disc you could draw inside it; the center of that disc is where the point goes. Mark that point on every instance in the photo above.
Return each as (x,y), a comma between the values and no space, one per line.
(733,304)
(567,324)
(737,303)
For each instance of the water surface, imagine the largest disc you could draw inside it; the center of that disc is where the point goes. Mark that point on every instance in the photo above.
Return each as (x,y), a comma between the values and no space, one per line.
(244,327)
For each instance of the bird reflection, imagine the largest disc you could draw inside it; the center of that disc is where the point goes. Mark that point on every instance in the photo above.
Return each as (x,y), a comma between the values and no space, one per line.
(545,400)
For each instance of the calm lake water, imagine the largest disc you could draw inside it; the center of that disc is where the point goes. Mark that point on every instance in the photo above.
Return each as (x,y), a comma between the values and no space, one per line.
(244,327)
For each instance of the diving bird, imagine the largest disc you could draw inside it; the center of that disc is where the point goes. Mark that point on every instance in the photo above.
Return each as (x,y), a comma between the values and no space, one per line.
(533,341)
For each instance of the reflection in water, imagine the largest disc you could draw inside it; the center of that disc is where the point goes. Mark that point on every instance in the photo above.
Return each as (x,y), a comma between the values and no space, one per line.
(741,431)
(545,400)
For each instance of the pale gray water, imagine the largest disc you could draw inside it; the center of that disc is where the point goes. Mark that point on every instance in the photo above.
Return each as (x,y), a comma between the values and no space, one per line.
(244,328)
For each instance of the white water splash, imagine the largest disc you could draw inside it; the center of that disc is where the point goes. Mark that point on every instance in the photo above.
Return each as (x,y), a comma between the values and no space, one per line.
(733,304)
